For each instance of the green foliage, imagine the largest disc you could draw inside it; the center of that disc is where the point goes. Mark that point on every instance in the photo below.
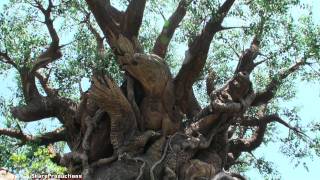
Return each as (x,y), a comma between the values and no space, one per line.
(28,159)
(20,35)
(266,168)
(34,160)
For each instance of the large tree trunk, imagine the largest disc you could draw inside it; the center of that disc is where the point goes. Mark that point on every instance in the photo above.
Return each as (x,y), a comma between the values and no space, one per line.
(146,134)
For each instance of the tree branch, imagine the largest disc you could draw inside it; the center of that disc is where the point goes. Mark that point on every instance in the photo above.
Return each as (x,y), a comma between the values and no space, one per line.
(248,145)
(34,110)
(133,18)
(29,87)
(105,18)
(246,60)
(38,107)
(191,106)
(27,74)
(99,39)
(44,107)
(44,83)
(43,139)
(4,57)
(163,40)
(273,118)
(233,107)
(53,52)
(266,95)
(51,137)
(114,13)
(196,55)
(96,34)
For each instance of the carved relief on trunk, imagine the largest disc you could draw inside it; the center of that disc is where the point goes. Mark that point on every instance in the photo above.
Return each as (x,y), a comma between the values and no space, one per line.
(155,117)
(157,106)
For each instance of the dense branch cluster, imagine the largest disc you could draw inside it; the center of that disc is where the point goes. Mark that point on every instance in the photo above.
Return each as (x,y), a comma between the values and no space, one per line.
(121,132)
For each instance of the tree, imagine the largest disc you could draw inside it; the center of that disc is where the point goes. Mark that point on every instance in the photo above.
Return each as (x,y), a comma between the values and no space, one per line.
(141,117)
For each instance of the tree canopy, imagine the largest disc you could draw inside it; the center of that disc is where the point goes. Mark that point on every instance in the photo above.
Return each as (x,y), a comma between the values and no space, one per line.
(122,88)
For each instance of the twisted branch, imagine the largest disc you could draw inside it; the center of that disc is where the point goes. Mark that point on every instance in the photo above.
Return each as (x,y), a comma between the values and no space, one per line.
(269,92)
(43,139)
(196,57)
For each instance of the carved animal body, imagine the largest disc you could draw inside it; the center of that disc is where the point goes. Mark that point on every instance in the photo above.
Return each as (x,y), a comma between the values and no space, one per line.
(178,162)
(158,102)
(155,117)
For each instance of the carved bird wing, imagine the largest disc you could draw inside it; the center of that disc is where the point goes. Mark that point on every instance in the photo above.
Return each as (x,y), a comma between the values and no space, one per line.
(111,99)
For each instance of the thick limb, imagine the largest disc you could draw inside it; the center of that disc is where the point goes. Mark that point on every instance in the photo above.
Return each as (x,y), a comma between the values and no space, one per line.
(43,139)
(161,46)
(269,92)
(196,56)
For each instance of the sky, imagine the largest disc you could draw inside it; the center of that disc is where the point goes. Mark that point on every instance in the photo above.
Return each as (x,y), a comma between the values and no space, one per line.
(307,99)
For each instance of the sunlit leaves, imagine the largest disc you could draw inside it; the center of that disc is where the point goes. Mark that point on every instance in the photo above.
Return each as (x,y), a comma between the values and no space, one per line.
(35,161)
(19,39)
